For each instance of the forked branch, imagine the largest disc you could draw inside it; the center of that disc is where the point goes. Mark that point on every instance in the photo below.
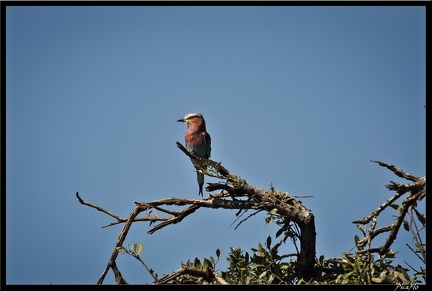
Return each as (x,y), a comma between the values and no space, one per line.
(416,190)
(234,193)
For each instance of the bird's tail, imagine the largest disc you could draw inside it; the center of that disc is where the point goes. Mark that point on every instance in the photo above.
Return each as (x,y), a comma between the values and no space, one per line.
(200,178)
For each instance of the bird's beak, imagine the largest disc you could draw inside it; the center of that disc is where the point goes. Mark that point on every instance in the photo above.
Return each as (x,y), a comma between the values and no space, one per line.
(180,120)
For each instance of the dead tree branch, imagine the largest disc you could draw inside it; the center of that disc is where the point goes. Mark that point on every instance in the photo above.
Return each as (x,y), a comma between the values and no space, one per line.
(187,275)
(416,190)
(234,193)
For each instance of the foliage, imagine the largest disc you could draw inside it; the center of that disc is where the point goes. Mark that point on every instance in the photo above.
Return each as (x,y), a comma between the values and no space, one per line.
(267,266)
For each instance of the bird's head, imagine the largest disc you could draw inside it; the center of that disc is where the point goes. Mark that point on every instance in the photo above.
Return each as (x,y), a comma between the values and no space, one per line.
(193,119)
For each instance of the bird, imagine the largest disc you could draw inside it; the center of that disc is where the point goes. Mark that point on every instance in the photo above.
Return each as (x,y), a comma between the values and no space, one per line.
(197,141)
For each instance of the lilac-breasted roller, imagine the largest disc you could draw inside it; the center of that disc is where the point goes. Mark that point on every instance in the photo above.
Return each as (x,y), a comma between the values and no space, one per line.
(197,141)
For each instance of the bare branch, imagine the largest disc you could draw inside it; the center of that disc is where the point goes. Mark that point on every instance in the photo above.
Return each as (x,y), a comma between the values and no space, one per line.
(417,191)
(98,208)
(235,194)
(398,171)
(119,243)
(203,275)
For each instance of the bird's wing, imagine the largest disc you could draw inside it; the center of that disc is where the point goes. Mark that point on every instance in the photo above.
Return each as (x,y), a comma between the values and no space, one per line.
(207,140)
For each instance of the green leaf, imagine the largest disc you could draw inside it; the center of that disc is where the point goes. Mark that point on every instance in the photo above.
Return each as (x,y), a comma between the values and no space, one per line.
(406,225)
(269,220)
(404,272)
(361,228)
(347,275)
(279,232)
(356,240)
(262,274)
(272,189)
(260,247)
(394,206)
(140,247)
(213,261)
(154,274)
(390,254)
(376,280)
(349,259)
(270,279)
(197,263)
(268,242)
(358,264)
(420,217)
(218,253)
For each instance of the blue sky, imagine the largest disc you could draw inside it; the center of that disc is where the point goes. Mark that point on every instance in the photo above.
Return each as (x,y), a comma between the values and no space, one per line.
(298,97)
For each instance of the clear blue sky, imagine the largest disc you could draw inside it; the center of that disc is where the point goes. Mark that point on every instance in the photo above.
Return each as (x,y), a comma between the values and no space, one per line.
(298,97)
